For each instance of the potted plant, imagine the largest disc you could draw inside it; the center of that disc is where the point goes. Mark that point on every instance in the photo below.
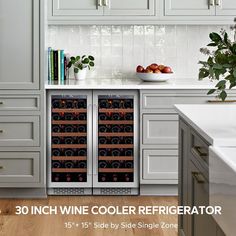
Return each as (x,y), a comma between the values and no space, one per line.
(80,65)
(221,62)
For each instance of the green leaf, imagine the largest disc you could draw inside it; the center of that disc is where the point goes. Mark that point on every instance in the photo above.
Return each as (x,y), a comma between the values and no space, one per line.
(203,73)
(212,45)
(226,38)
(91,63)
(76,70)
(232,85)
(91,58)
(72,58)
(211,91)
(217,66)
(223,95)
(83,56)
(69,64)
(77,58)
(215,37)
(85,61)
(234,73)
(80,66)
(221,84)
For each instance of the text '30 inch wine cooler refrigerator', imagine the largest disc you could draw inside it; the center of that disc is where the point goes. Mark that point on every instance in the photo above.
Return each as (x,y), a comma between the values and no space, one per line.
(92,142)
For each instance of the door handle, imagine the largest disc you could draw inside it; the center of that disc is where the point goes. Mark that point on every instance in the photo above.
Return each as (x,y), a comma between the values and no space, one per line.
(1,131)
(217,2)
(212,2)
(2,167)
(199,177)
(106,3)
(198,150)
(100,3)
(1,103)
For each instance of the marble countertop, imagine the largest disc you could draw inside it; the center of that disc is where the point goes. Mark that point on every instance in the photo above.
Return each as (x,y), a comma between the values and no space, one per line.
(125,83)
(216,123)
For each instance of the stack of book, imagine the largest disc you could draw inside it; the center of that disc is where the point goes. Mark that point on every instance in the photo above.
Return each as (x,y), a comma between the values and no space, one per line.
(57,65)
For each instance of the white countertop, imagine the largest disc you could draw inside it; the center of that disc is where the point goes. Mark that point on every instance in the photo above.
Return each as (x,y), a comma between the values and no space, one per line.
(124,83)
(222,178)
(216,123)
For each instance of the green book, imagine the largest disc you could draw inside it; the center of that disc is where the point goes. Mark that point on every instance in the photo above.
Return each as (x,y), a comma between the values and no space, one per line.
(52,64)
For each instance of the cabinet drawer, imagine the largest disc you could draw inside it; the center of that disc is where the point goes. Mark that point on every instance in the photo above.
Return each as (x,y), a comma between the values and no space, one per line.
(18,167)
(160,129)
(160,165)
(199,149)
(19,131)
(19,103)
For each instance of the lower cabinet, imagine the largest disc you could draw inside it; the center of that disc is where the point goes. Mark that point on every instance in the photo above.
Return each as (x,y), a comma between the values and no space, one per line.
(194,183)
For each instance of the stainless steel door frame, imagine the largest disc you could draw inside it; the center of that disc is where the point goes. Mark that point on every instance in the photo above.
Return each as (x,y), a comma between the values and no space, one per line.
(87,184)
(125,94)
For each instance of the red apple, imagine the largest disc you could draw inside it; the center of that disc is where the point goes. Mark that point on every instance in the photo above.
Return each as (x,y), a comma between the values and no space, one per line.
(153,66)
(167,69)
(139,69)
(157,71)
(149,71)
(161,67)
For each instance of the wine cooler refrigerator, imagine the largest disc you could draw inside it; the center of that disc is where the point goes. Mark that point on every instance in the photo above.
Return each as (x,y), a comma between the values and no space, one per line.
(93,143)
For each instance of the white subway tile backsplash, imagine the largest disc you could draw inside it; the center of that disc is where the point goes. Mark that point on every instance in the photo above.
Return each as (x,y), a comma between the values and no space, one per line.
(119,49)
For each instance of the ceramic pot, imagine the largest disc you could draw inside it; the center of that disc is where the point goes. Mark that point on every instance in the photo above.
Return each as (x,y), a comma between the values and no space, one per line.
(81,75)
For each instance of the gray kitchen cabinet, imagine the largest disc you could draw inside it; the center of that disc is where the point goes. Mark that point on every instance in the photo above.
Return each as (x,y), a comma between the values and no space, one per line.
(189,8)
(19,44)
(129,8)
(194,183)
(225,7)
(75,7)
(161,165)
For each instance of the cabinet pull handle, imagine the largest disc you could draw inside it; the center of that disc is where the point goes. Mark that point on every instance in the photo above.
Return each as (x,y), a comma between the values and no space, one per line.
(2,167)
(200,152)
(1,103)
(1,131)
(106,3)
(199,177)
(100,3)
(212,2)
(217,2)
(227,101)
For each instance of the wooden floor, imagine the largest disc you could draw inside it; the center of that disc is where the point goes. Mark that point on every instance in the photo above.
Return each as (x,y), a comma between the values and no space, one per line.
(12,225)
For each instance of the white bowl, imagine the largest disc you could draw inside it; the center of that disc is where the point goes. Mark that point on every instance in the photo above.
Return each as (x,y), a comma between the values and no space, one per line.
(154,77)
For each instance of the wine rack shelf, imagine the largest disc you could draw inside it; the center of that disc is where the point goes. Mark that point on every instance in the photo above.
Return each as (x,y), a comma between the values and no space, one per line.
(68,110)
(115,122)
(69,170)
(118,134)
(115,158)
(68,122)
(115,110)
(69,146)
(70,158)
(72,134)
(116,170)
(116,146)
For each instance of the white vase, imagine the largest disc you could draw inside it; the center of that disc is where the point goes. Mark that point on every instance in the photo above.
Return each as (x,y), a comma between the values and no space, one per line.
(81,75)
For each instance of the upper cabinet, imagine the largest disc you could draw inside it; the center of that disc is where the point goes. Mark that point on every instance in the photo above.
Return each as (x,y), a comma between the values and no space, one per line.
(200,7)
(19,44)
(141,11)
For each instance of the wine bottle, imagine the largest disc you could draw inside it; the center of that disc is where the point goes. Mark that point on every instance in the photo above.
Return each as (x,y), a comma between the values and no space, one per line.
(116,152)
(127,178)
(82,164)
(102,140)
(56,178)
(116,104)
(116,116)
(68,178)
(116,164)
(129,164)
(114,177)
(129,152)
(81,140)
(69,103)
(62,104)
(81,104)
(82,116)
(69,164)
(55,103)
(128,140)
(103,178)
(116,129)
(115,140)
(102,152)
(102,116)
(69,129)
(56,140)
(128,128)
(56,152)
(69,152)
(103,103)
(56,164)
(56,116)
(81,128)
(102,164)
(69,116)
(128,103)
(57,128)
(69,140)
(80,178)
(82,152)
(103,129)
(129,116)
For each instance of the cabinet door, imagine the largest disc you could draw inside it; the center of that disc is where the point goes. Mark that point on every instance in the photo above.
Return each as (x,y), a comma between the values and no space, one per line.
(19,44)
(75,7)
(130,7)
(198,190)
(226,7)
(183,175)
(188,8)
(160,165)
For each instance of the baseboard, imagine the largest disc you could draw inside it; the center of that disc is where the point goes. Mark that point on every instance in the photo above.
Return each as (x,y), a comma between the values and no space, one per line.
(158,190)
(23,193)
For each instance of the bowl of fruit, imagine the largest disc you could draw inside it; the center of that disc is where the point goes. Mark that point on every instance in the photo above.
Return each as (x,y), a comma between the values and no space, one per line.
(154,73)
